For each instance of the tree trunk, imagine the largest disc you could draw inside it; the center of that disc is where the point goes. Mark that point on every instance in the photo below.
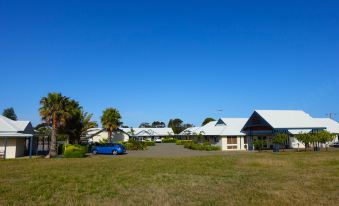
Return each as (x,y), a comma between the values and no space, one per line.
(110,136)
(43,143)
(53,144)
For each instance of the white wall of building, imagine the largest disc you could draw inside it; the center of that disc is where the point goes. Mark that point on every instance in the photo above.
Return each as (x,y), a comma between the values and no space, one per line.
(116,137)
(240,144)
(13,150)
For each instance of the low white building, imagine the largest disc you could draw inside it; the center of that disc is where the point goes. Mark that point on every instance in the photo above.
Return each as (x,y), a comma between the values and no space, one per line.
(14,136)
(240,133)
(124,134)
(96,135)
(148,133)
(265,124)
(226,133)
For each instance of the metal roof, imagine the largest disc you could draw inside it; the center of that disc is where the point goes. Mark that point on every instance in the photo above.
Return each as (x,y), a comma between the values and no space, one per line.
(11,128)
(223,127)
(331,125)
(288,119)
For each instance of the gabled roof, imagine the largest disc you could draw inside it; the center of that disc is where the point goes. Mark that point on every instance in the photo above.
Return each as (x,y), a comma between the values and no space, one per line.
(331,125)
(288,119)
(11,128)
(144,132)
(189,131)
(223,127)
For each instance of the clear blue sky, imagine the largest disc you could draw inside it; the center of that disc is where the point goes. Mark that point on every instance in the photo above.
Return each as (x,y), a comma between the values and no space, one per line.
(156,60)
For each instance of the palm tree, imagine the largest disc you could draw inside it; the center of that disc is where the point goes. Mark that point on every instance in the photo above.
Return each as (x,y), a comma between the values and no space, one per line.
(53,111)
(110,120)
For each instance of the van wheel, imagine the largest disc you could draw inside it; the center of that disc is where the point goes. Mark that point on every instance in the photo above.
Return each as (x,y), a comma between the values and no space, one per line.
(115,152)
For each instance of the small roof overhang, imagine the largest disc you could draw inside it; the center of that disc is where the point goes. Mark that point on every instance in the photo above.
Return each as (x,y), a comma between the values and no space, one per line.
(299,131)
(15,135)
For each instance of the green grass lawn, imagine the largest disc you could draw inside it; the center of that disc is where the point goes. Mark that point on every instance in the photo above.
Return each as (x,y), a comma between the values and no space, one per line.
(290,178)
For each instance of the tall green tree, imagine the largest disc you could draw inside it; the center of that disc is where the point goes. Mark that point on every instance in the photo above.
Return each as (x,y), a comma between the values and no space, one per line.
(110,120)
(176,125)
(145,125)
(54,111)
(207,120)
(324,137)
(280,139)
(78,122)
(305,138)
(10,113)
(158,124)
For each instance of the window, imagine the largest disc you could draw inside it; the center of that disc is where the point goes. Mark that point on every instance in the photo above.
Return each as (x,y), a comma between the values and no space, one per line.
(232,140)
(231,147)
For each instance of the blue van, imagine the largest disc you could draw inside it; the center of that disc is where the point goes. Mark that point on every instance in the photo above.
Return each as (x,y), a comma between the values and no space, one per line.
(109,148)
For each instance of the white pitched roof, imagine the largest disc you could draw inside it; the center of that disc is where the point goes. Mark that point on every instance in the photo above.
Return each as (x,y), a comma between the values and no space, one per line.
(10,127)
(331,125)
(223,127)
(143,132)
(189,131)
(288,119)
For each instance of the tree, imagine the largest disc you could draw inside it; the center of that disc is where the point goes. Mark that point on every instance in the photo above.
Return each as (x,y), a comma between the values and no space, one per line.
(176,125)
(145,125)
(280,139)
(258,144)
(110,120)
(158,124)
(324,137)
(53,110)
(207,120)
(44,132)
(10,114)
(305,138)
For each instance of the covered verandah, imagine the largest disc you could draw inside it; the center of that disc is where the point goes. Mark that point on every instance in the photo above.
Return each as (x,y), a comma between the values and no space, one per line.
(14,145)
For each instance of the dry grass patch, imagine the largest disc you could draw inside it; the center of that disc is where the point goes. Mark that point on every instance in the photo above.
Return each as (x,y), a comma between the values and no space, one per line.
(303,178)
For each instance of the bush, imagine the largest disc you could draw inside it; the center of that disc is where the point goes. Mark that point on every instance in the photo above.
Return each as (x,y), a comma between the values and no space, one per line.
(75,151)
(182,142)
(150,143)
(168,140)
(258,144)
(205,146)
(135,145)
(61,149)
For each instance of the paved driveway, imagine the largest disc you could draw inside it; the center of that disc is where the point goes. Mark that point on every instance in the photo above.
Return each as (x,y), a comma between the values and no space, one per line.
(170,150)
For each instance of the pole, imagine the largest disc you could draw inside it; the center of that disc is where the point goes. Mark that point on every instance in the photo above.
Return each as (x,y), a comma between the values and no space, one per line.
(30,146)
(5,148)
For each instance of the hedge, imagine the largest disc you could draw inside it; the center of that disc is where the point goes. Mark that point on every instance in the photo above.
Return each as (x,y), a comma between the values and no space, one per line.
(182,142)
(150,143)
(135,145)
(205,146)
(168,140)
(75,151)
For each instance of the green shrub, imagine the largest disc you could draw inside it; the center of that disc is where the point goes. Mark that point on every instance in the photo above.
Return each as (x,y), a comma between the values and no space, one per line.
(61,149)
(150,143)
(75,151)
(182,142)
(258,144)
(135,145)
(168,140)
(205,146)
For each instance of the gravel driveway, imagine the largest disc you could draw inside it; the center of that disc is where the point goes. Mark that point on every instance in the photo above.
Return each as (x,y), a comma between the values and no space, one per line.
(169,150)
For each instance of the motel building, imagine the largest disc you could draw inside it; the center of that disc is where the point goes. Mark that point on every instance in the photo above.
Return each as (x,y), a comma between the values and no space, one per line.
(265,124)
(226,133)
(240,133)
(16,138)
(96,135)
